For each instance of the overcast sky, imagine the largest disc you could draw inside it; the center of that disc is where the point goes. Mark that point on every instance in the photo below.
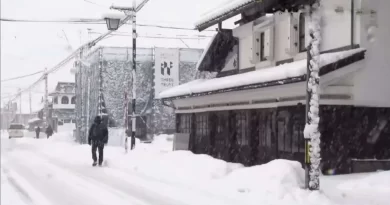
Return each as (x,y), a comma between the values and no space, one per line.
(30,47)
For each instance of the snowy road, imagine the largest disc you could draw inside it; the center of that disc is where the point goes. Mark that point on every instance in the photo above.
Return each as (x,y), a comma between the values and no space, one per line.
(41,179)
(57,171)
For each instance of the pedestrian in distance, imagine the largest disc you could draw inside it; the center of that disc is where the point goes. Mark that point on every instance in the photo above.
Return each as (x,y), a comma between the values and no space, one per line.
(49,131)
(97,138)
(37,131)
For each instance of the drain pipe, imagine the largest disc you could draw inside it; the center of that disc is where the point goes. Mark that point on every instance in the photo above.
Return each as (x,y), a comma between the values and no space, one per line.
(352,23)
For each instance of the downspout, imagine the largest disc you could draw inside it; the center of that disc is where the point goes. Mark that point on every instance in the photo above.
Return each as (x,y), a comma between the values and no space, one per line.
(352,23)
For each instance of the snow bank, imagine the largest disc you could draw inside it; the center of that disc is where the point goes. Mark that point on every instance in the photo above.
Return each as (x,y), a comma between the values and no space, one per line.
(374,183)
(273,175)
(287,70)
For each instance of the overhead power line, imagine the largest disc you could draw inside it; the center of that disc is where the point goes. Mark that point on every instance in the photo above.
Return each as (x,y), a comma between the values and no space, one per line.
(70,57)
(23,76)
(94,21)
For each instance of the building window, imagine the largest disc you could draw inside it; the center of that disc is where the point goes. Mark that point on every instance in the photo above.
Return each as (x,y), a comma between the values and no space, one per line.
(298,142)
(221,128)
(64,100)
(73,100)
(262,49)
(301,32)
(67,121)
(265,120)
(202,127)
(185,123)
(55,100)
(242,126)
(262,42)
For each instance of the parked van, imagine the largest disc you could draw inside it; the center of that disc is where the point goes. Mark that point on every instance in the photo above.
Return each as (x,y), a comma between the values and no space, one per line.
(16,131)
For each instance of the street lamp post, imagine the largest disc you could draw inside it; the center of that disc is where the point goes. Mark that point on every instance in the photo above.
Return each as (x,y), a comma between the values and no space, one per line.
(112,25)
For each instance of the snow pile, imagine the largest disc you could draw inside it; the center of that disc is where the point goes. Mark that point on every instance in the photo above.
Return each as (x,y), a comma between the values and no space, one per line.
(158,160)
(277,182)
(275,174)
(378,183)
(224,8)
(63,137)
(287,70)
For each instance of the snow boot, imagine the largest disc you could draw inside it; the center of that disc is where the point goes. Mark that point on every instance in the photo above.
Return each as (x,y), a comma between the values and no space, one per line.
(94,164)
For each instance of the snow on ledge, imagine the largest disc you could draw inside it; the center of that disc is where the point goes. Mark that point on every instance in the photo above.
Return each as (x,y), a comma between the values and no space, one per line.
(126,4)
(226,7)
(287,70)
(114,14)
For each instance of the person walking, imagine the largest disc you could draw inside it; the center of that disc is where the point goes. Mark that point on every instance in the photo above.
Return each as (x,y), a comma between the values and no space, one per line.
(37,131)
(49,131)
(97,138)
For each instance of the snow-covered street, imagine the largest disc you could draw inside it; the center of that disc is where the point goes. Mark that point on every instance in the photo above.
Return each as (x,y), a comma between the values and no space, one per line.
(59,171)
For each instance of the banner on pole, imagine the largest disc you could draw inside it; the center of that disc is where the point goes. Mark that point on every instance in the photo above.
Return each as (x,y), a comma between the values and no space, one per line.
(166,69)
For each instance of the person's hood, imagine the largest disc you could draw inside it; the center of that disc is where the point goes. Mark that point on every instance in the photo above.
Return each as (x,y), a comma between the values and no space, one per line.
(98,120)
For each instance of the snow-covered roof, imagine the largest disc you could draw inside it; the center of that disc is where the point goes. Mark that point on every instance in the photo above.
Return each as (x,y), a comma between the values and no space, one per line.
(114,14)
(223,9)
(34,120)
(281,72)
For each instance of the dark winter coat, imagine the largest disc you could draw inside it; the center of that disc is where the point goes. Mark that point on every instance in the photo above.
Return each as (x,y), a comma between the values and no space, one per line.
(49,131)
(38,130)
(98,132)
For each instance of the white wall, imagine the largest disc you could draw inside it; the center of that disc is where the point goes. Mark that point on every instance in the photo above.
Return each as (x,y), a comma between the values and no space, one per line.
(336,33)
(372,83)
(336,27)
(244,34)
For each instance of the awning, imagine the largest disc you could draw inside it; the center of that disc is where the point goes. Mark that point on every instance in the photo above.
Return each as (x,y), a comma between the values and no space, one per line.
(280,75)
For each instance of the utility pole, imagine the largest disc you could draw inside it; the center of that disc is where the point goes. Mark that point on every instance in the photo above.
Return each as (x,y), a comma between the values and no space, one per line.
(311,133)
(20,105)
(29,99)
(133,13)
(46,112)
(133,74)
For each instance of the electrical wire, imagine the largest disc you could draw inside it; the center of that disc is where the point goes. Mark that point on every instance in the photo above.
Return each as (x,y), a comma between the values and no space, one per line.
(95,21)
(23,76)
(70,57)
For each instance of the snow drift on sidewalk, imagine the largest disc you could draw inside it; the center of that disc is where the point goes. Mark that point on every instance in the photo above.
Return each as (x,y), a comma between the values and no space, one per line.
(378,182)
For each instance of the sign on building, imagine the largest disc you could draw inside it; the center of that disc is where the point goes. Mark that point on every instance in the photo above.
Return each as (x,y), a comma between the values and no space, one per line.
(166,70)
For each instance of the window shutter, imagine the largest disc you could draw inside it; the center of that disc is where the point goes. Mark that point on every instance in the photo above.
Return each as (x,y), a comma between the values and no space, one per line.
(292,37)
(256,47)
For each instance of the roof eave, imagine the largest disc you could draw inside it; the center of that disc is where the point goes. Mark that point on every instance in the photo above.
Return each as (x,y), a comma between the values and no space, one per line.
(267,5)
(224,16)
(323,71)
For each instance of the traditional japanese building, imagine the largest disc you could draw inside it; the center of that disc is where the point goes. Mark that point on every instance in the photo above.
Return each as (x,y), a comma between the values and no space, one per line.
(63,106)
(254,110)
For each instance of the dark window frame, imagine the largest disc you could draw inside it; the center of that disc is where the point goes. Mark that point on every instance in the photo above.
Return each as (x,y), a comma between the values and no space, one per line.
(302,33)
(242,128)
(262,47)
(65,100)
